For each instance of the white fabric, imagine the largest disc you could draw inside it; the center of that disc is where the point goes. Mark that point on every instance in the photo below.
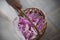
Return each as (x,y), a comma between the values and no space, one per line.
(8,23)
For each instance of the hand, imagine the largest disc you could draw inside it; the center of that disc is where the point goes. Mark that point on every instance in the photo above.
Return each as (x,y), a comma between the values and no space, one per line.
(15,4)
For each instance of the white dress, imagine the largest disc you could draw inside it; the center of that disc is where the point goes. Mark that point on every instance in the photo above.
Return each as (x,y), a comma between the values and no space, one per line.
(52,12)
(9,23)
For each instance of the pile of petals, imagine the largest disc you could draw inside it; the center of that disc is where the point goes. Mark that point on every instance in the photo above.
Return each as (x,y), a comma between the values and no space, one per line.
(26,27)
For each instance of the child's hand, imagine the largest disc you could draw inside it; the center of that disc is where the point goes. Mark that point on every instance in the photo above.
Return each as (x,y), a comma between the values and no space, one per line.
(14,3)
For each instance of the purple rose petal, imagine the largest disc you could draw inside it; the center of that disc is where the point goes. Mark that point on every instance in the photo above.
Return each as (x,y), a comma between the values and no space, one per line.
(30,32)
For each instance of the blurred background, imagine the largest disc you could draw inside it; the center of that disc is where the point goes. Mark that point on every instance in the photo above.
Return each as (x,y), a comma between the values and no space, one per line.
(51,9)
